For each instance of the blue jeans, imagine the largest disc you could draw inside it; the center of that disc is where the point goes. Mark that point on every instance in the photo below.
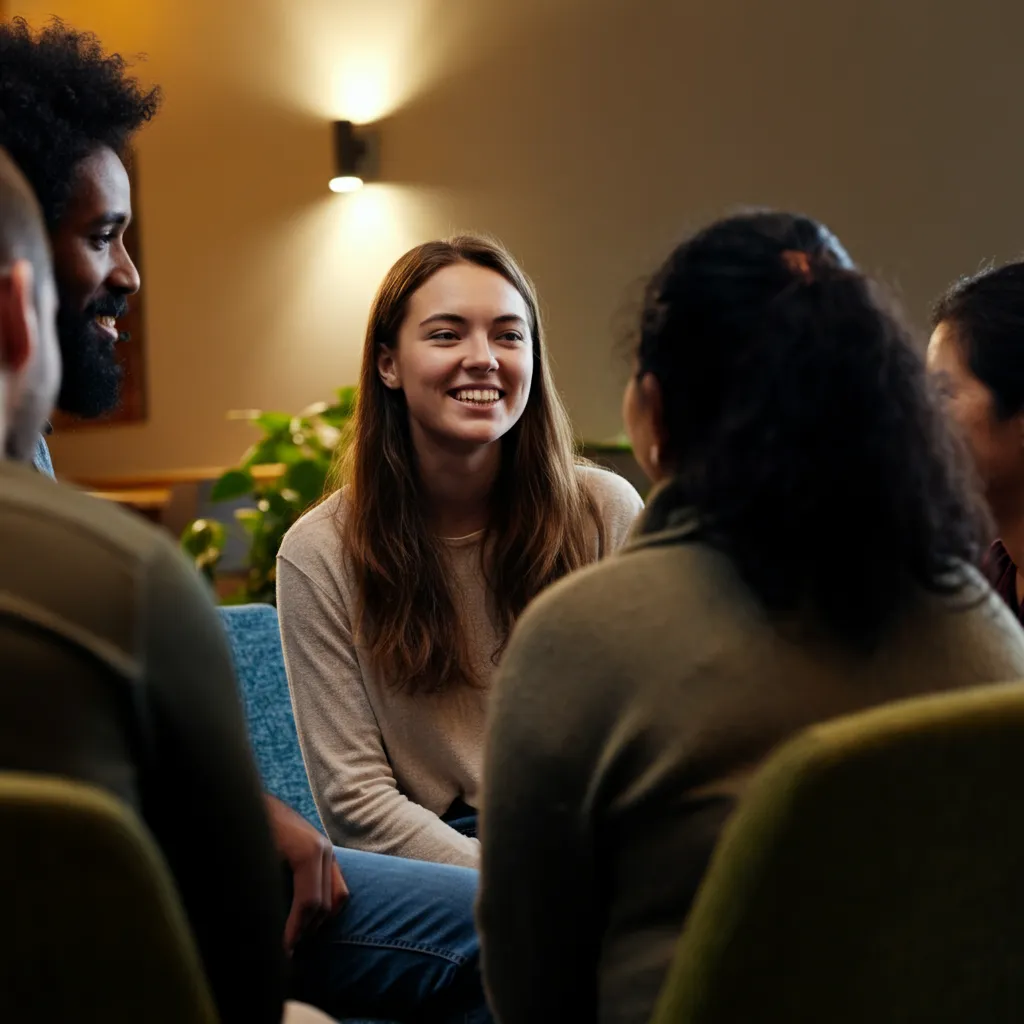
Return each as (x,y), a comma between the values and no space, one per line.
(404,947)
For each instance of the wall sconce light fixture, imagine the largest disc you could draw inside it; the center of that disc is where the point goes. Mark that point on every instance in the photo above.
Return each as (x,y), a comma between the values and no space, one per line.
(355,157)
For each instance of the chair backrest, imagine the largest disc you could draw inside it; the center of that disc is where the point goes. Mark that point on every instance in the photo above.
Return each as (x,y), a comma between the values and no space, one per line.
(255,638)
(874,872)
(92,927)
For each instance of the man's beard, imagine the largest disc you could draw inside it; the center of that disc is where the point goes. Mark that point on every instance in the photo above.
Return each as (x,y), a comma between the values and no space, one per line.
(91,377)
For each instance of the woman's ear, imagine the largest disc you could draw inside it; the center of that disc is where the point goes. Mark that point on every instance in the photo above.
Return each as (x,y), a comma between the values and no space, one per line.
(653,401)
(388,368)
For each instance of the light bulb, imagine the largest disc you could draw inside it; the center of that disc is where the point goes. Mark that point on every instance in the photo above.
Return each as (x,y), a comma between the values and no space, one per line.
(346,183)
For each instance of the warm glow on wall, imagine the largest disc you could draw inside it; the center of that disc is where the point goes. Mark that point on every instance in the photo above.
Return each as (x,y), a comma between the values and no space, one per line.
(357,60)
(337,254)
(364,90)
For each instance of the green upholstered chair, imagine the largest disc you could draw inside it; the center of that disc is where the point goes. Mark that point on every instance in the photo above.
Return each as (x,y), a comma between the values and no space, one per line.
(92,929)
(874,872)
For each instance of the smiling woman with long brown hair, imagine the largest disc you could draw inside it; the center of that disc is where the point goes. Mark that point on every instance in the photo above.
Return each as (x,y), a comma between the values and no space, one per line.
(461,499)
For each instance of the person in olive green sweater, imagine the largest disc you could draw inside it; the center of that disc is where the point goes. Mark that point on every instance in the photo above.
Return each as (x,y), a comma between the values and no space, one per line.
(806,554)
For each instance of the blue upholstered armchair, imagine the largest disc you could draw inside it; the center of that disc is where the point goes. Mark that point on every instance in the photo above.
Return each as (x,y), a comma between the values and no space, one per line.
(255,639)
(259,664)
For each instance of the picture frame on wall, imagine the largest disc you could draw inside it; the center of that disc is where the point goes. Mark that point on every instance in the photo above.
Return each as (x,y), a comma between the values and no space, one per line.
(131,353)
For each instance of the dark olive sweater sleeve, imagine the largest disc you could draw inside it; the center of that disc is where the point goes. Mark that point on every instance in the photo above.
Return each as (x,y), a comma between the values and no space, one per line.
(201,795)
(539,911)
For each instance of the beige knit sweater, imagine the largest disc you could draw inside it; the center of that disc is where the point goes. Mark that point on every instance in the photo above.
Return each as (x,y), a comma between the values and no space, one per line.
(384,765)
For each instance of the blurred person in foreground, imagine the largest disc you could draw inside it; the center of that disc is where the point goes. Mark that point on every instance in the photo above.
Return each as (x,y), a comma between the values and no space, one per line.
(806,553)
(399,939)
(114,668)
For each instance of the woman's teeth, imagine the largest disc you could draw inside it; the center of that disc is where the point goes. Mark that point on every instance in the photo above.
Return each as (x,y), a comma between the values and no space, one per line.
(478,396)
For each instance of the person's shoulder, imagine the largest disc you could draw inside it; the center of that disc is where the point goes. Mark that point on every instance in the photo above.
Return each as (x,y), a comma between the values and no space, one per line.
(988,620)
(615,499)
(71,519)
(313,543)
(87,570)
(593,605)
(609,489)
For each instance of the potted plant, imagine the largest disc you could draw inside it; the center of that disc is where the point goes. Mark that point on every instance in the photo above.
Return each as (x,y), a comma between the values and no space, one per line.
(284,473)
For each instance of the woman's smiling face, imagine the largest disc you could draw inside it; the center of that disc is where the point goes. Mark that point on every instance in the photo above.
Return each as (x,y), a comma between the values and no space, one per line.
(464,357)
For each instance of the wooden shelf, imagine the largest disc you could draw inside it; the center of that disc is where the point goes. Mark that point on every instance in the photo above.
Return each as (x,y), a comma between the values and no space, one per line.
(166,478)
(143,498)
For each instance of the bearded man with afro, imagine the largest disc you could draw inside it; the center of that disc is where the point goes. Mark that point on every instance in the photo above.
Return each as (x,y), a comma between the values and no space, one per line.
(68,112)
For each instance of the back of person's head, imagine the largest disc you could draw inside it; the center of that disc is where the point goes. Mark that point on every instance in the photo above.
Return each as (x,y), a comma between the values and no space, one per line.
(29,355)
(542,513)
(61,98)
(22,234)
(986,314)
(799,425)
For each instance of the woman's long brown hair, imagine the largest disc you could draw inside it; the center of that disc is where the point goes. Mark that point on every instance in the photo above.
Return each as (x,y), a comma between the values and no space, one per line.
(543,517)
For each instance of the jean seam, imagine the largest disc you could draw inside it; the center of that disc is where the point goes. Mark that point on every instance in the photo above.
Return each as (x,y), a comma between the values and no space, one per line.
(407,947)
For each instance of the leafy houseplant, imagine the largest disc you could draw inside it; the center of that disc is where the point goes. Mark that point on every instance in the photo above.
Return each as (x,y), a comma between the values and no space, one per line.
(284,472)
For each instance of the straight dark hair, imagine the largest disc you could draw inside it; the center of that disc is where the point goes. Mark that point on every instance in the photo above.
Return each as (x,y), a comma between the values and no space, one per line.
(803,428)
(986,314)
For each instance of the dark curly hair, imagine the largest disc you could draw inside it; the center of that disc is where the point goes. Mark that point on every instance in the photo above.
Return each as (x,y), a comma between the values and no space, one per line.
(62,97)
(802,425)
(986,312)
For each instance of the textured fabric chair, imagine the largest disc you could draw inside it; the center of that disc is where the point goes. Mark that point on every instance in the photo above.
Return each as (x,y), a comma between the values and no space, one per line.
(874,872)
(92,927)
(259,665)
(255,639)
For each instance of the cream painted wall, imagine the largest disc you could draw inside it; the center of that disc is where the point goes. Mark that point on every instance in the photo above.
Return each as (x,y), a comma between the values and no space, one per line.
(588,134)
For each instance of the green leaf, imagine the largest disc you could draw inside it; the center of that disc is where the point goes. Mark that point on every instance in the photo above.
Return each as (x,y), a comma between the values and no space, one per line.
(274,423)
(307,478)
(251,520)
(311,412)
(203,540)
(293,455)
(276,504)
(304,445)
(262,453)
(202,535)
(619,443)
(235,483)
(342,410)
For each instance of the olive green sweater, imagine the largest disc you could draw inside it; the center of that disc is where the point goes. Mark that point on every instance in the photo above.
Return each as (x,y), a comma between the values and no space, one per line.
(634,702)
(115,672)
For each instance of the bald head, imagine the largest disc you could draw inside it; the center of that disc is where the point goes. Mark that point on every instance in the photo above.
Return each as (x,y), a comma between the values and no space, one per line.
(22,233)
(29,356)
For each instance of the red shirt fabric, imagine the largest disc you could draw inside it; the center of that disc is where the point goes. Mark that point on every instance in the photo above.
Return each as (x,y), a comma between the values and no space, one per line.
(1002,574)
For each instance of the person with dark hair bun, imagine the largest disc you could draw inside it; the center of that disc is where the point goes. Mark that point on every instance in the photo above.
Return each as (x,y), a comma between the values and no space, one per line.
(807,552)
(976,353)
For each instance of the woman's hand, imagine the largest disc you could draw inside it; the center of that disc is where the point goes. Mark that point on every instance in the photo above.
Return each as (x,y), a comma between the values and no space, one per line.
(318,888)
